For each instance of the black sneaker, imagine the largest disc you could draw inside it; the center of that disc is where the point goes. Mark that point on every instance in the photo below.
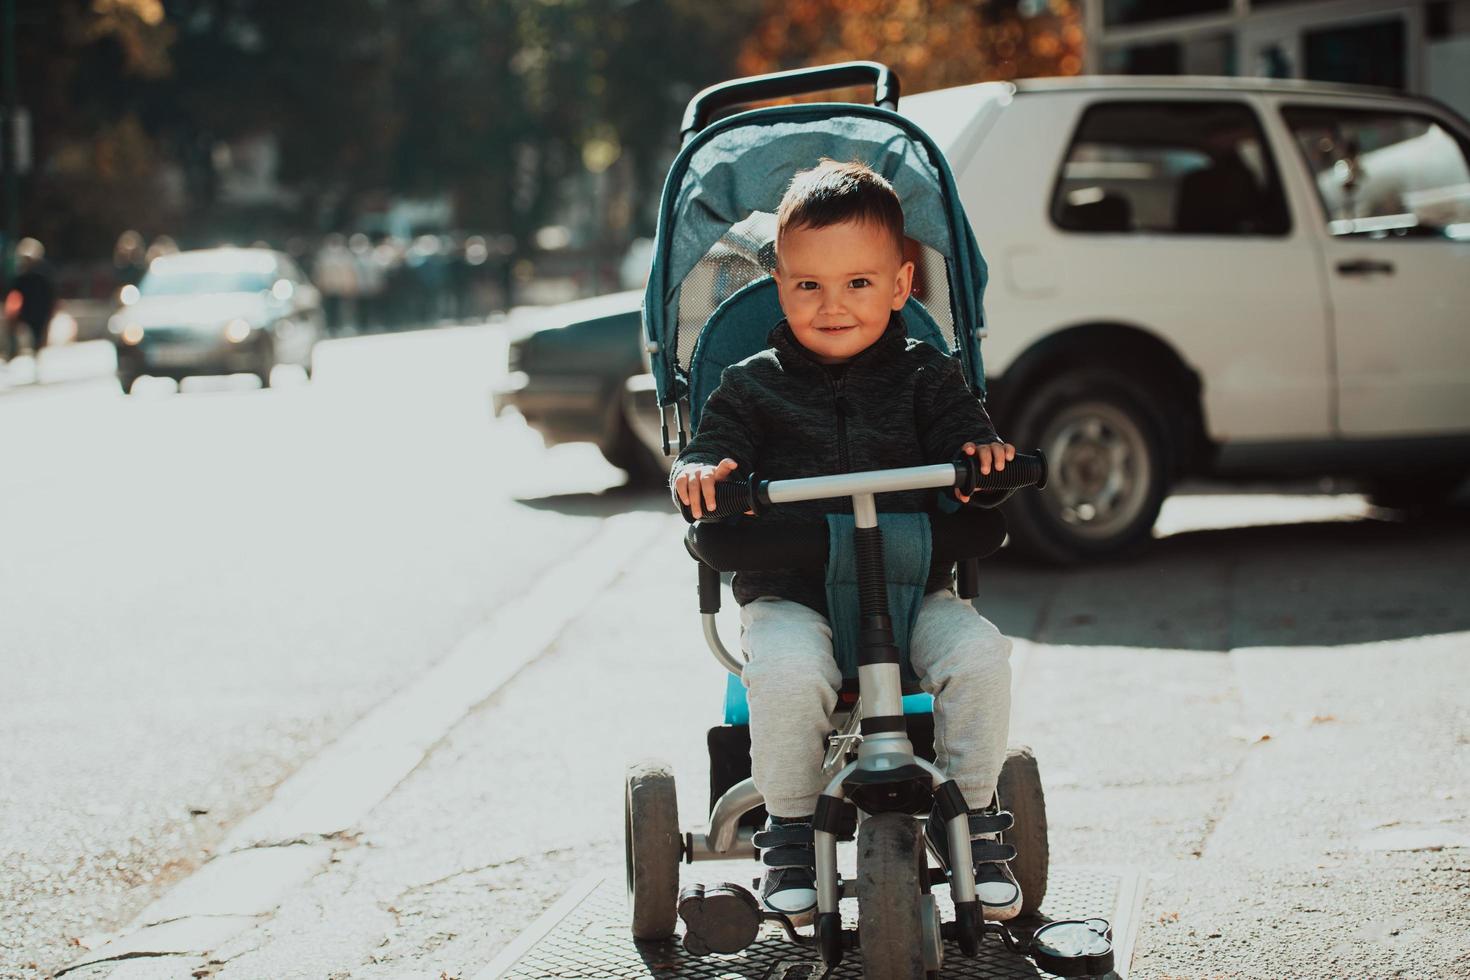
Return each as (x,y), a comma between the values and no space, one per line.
(996,888)
(789,884)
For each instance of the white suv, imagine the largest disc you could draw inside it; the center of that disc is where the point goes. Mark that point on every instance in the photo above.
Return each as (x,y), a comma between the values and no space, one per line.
(1214,275)
(1231,277)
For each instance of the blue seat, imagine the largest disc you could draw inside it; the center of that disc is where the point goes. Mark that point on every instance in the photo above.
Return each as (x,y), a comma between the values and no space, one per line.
(737,709)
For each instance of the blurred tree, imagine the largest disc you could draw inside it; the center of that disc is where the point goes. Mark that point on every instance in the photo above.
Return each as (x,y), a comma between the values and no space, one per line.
(95,168)
(656,54)
(930,43)
(502,104)
(313,75)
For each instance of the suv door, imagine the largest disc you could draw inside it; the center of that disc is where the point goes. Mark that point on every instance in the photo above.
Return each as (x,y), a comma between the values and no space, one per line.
(1393,188)
(1172,217)
(1120,224)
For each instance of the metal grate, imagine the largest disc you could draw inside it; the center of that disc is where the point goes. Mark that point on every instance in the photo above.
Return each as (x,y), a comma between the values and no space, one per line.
(591,940)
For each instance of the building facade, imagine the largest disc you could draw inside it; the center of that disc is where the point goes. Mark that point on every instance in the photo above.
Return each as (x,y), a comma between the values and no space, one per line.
(1419,46)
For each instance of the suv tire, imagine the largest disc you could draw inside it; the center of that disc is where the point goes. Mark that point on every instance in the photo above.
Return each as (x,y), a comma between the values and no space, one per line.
(628,453)
(1103,438)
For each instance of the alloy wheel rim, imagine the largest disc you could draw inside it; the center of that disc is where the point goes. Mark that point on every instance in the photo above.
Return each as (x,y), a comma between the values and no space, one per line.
(1101,470)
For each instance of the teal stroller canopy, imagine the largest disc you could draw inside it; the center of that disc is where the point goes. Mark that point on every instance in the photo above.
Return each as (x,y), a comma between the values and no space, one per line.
(714,249)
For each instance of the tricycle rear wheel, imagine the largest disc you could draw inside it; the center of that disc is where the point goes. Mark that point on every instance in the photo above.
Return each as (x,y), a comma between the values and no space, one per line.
(1020,792)
(652,848)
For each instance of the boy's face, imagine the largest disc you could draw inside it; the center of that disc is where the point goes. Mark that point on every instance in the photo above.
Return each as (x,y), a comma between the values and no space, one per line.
(838,285)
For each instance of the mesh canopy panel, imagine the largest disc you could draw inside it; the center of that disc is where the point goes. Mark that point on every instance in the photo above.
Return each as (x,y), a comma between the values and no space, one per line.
(932,288)
(747,252)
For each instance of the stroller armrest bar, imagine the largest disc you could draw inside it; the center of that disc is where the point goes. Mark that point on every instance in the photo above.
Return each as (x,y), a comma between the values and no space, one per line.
(754,546)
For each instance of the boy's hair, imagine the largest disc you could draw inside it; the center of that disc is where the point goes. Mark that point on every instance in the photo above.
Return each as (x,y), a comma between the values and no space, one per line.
(832,193)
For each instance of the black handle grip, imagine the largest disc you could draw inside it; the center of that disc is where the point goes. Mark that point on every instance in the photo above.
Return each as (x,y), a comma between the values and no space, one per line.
(1026,470)
(731,497)
(800,81)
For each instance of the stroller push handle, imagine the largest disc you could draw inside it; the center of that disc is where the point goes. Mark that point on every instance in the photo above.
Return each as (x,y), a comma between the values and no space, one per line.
(737,496)
(800,81)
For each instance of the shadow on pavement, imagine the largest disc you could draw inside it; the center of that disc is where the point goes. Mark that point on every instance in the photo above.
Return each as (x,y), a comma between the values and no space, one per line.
(1307,584)
(603,503)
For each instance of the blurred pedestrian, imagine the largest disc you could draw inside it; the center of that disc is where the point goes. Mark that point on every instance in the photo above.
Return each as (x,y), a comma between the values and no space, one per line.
(129,258)
(31,300)
(335,274)
(370,281)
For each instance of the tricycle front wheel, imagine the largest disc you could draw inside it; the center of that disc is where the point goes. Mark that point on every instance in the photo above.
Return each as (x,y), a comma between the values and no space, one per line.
(893,901)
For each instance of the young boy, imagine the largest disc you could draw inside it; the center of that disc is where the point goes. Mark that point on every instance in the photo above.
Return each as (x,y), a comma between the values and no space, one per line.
(843,389)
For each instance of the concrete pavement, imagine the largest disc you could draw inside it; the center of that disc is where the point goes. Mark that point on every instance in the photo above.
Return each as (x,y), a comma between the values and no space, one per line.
(1269,722)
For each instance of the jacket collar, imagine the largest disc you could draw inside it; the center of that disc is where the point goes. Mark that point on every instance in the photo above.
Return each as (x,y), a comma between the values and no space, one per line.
(792,355)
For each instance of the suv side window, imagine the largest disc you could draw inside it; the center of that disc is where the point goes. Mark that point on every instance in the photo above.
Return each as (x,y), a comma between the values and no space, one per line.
(1384,174)
(1176,167)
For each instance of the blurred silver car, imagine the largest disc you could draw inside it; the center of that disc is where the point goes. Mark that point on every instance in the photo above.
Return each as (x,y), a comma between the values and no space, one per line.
(217,311)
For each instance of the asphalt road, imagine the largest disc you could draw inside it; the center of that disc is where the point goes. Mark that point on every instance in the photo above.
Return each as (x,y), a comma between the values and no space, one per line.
(1264,714)
(200,590)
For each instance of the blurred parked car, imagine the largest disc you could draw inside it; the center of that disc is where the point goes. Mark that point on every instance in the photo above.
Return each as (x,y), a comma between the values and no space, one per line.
(217,311)
(565,375)
(1232,277)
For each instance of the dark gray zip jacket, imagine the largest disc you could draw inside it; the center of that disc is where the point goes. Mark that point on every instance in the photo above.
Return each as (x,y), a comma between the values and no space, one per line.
(782,414)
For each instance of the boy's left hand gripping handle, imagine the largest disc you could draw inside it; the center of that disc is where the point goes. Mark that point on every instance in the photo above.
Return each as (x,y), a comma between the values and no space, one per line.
(731,497)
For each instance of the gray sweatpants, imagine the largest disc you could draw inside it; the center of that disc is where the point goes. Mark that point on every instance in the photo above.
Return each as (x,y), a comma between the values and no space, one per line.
(792,682)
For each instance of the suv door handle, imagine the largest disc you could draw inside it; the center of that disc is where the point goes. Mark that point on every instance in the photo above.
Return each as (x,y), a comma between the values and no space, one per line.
(1364,267)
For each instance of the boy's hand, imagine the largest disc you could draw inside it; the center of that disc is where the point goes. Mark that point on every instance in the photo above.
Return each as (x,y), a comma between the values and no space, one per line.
(695,484)
(989,455)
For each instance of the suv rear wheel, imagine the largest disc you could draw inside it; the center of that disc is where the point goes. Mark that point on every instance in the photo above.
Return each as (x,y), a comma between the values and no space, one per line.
(1104,443)
(646,471)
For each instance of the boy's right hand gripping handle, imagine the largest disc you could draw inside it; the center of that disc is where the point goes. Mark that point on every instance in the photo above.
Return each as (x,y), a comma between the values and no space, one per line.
(1027,469)
(732,496)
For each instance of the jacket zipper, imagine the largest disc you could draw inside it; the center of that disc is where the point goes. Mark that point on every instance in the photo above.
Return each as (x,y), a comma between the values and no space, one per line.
(839,405)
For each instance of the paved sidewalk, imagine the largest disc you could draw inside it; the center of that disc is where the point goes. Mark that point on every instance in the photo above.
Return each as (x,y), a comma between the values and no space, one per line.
(1269,722)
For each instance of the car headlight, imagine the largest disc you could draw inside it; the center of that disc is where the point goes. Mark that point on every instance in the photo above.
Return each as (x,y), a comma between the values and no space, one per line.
(131,334)
(238,331)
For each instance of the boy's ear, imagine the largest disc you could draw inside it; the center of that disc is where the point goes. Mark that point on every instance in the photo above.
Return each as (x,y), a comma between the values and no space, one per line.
(780,290)
(903,286)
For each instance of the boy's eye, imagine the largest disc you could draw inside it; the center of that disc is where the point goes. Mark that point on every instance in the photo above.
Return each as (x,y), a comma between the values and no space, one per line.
(806,284)
(859,283)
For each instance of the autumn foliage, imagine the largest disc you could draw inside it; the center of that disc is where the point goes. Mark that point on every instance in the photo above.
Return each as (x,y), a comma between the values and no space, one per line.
(930,43)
